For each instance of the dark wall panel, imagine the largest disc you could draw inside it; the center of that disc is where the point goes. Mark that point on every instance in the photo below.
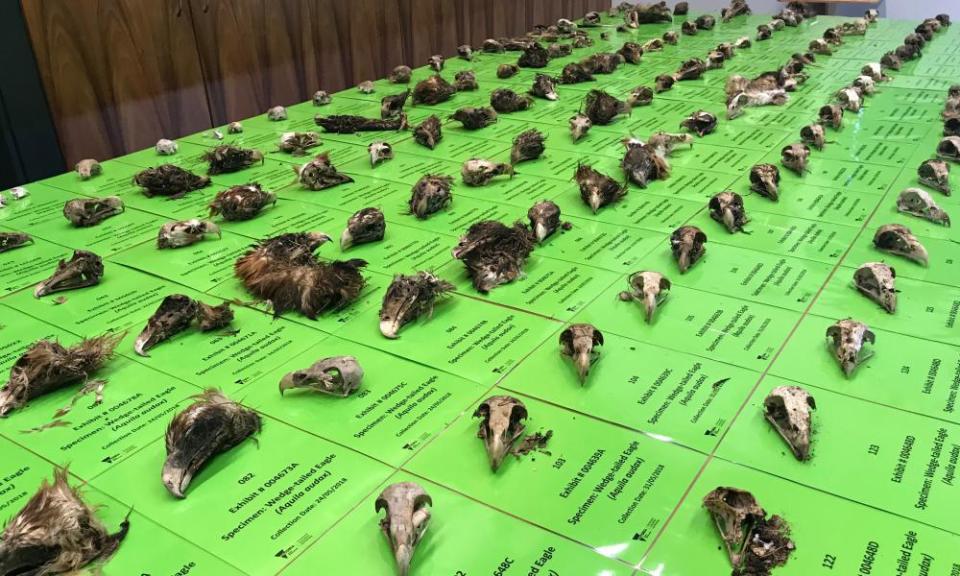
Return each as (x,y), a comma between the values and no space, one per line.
(119,74)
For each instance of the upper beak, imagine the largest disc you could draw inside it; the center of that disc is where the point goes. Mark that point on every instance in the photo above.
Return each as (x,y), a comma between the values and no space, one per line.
(595,202)
(286,383)
(346,239)
(541,231)
(728,220)
(176,479)
(389,328)
(650,305)
(496,451)
(684,260)
(582,361)
(144,342)
(403,554)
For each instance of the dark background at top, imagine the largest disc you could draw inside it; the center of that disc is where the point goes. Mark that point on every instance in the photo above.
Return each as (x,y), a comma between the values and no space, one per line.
(101,78)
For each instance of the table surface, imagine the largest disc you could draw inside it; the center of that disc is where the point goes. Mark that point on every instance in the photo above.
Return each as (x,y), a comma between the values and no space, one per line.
(671,409)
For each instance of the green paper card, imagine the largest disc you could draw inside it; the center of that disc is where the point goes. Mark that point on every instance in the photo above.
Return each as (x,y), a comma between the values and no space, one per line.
(830,205)
(607,487)
(138,403)
(399,407)
(362,193)
(41,216)
(906,466)
(741,333)
(832,535)
(827,173)
(200,266)
(898,371)
(748,274)
(123,297)
(552,288)
(808,239)
(188,156)
(30,264)
(600,245)
(116,179)
(457,525)
(467,337)
(667,394)
(923,310)
(266,498)
(253,344)
(638,209)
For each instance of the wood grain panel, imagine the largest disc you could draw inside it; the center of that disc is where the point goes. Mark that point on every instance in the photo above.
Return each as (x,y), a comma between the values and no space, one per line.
(118,74)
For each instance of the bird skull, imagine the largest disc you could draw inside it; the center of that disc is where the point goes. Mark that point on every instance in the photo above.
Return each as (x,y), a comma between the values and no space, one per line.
(788,408)
(336,376)
(578,342)
(846,339)
(501,425)
(687,245)
(765,180)
(727,208)
(875,280)
(82,270)
(919,203)
(897,239)
(406,520)
(650,288)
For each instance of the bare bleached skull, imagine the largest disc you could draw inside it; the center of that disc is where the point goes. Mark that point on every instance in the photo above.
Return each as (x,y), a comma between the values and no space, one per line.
(579,126)
(765,180)
(813,135)
(919,203)
(788,409)
(650,289)
(186,232)
(165,147)
(935,174)
(846,340)
(578,342)
(727,208)
(13,240)
(276,114)
(322,98)
(949,148)
(85,212)
(795,157)
(407,516)
(335,376)
(88,168)
(687,246)
(899,240)
(502,424)
(875,280)
(850,99)
(832,115)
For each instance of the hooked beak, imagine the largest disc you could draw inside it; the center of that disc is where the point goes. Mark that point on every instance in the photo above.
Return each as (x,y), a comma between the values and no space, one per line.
(496,450)
(403,554)
(287,382)
(649,305)
(61,280)
(729,220)
(582,361)
(595,201)
(320,238)
(389,328)
(145,341)
(551,95)
(176,479)
(541,231)
(346,239)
